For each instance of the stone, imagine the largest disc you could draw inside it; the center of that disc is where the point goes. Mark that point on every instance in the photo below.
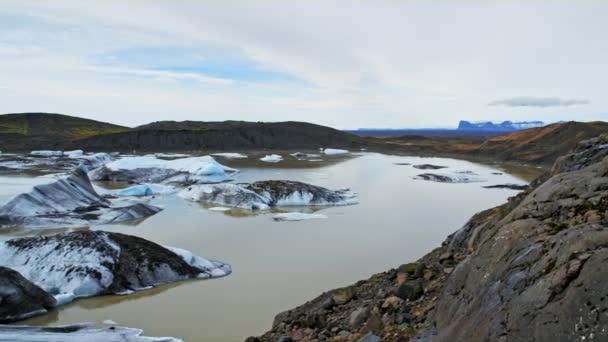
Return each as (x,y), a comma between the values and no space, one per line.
(369,337)
(358,317)
(410,290)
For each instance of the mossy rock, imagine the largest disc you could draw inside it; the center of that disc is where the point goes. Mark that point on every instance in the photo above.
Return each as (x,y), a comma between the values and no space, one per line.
(408,268)
(410,290)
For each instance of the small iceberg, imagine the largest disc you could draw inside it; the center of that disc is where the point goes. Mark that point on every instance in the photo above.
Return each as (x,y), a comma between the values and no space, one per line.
(45,153)
(272,158)
(150,169)
(171,155)
(265,194)
(304,155)
(73,154)
(229,155)
(335,151)
(429,167)
(220,209)
(91,263)
(81,332)
(68,202)
(147,190)
(450,178)
(297,216)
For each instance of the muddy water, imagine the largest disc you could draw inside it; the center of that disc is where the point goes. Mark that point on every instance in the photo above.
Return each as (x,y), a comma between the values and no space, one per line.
(278,265)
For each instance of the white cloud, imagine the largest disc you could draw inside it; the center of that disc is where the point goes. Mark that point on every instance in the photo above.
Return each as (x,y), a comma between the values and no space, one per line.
(356,63)
(542,102)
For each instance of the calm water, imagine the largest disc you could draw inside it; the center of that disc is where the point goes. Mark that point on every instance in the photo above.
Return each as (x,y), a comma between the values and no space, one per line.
(278,265)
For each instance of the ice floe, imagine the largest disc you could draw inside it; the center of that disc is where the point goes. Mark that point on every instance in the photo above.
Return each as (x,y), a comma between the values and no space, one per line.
(150,169)
(450,178)
(67,202)
(229,155)
(220,209)
(335,151)
(81,332)
(266,194)
(91,263)
(45,153)
(297,216)
(171,155)
(147,190)
(272,158)
(73,154)
(305,155)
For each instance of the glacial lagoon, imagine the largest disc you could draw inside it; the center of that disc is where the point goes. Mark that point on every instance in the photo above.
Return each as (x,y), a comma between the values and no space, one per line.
(278,265)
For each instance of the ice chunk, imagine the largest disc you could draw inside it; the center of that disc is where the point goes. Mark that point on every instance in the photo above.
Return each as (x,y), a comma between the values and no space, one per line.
(450,178)
(73,154)
(228,155)
(226,194)
(294,216)
(45,153)
(171,155)
(219,209)
(82,332)
(147,190)
(272,158)
(335,151)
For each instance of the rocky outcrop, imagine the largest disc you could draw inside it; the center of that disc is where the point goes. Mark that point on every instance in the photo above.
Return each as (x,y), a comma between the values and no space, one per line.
(266,194)
(507,186)
(532,269)
(90,263)
(71,201)
(76,333)
(20,298)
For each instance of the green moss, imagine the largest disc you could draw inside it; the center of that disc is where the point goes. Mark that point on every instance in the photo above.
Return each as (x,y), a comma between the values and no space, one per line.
(408,268)
(556,227)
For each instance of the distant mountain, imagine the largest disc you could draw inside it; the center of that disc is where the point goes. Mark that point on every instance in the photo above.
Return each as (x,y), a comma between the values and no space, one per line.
(505,126)
(34,124)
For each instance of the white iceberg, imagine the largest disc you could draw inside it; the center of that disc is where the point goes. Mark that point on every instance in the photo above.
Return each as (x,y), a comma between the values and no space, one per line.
(81,332)
(147,190)
(456,177)
(150,169)
(73,154)
(45,153)
(226,194)
(272,158)
(335,151)
(229,155)
(304,155)
(294,216)
(171,155)
(220,209)
(90,263)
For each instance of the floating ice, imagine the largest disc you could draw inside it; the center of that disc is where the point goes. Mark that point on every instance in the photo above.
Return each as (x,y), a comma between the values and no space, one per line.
(45,153)
(272,158)
(73,154)
(147,190)
(335,151)
(297,216)
(450,178)
(229,155)
(226,194)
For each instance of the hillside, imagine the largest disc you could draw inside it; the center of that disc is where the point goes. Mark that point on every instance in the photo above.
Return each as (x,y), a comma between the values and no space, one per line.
(229,135)
(27,131)
(536,146)
(532,269)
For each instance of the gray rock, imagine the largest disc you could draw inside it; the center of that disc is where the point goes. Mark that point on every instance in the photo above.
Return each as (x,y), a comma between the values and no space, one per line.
(75,333)
(20,298)
(369,337)
(358,317)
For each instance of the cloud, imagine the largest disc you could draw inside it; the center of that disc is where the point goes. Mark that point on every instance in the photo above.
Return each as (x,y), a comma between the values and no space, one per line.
(542,102)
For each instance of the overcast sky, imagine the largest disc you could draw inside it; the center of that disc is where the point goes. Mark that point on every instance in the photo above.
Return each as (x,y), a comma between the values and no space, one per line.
(345,64)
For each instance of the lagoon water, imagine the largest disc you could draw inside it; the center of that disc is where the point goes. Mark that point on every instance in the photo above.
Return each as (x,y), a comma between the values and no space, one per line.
(278,265)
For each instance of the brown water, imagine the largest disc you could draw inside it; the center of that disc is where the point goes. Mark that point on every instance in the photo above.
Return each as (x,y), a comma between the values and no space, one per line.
(278,265)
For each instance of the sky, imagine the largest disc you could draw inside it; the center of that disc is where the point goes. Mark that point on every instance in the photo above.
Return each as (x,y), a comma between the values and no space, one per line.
(345,64)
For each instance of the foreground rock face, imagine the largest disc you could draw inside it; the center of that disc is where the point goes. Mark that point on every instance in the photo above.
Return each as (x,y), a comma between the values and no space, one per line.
(266,194)
(90,263)
(532,269)
(21,299)
(76,333)
(71,201)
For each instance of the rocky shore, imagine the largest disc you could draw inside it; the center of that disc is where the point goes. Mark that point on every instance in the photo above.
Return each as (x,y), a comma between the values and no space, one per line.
(532,269)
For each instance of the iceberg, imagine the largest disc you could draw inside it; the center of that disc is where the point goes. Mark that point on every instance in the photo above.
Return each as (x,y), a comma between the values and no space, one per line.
(73,154)
(150,169)
(228,194)
(450,178)
(305,155)
(90,263)
(68,202)
(335,151)
(265,194)
(297,216)
(147,190)
(81,332)
(272,158)
(47,153)
(228,155)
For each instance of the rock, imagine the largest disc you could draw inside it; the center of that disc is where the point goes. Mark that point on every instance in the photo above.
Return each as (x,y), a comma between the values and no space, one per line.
(90,263)
(358,317)
(369,337)
(76,333)
(392,303)
(410,290)
(285,339)
(429,167)
(67,202)
(20,298)
(343,295)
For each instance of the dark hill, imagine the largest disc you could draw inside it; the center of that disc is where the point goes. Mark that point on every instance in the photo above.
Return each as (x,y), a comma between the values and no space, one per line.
(26,131)
(229,135)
